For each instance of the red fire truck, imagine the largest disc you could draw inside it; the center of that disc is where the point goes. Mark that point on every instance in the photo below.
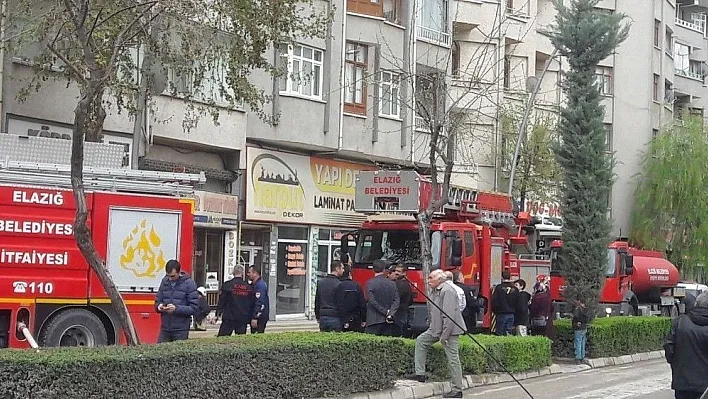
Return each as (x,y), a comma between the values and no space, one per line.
(138,222)
(637,282)
(471,234)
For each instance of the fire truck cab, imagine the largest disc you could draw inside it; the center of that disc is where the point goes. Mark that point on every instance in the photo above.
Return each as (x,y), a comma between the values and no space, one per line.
(469,235)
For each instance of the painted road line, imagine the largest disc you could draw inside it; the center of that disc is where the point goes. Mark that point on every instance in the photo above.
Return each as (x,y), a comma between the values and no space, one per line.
(630,389)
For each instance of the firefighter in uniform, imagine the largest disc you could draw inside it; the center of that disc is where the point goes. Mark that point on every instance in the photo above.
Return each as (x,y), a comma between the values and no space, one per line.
(261,307)
(235,304)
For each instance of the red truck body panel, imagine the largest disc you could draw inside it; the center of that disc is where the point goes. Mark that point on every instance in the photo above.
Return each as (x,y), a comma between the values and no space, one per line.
(42,270)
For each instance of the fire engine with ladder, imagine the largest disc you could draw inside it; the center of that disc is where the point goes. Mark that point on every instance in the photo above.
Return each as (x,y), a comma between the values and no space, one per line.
(138,221)
(471,234)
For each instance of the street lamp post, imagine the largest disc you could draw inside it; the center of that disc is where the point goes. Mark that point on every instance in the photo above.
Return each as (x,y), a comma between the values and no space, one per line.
(533,85)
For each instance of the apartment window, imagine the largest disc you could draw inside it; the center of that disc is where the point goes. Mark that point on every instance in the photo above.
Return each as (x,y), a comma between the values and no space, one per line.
(389,89)
(455,59)
(603,76)
(393,11)
(657,33)
(355,78)
(655,88)
(507,71)
(668,92)
(654,133)
(669,47)
(367,7)
(608,138)
(681,58)
(433,15)
(304,71)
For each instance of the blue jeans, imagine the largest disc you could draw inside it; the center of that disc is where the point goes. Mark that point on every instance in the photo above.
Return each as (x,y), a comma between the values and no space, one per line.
(505,324)
(329,323)
(171,336)
(580,340)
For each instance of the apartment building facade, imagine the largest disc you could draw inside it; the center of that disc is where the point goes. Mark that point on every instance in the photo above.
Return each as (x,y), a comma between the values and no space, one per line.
(654,77)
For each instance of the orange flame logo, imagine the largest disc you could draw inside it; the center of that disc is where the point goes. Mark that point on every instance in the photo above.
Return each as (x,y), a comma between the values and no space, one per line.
(142,254)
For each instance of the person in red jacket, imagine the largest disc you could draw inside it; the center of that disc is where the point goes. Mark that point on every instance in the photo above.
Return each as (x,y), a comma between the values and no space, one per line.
(541,313)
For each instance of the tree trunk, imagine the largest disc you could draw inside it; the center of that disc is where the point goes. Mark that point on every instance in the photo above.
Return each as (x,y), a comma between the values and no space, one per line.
(88,121)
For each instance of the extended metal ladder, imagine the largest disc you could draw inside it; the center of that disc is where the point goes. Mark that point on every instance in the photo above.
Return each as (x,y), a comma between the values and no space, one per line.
(100,179)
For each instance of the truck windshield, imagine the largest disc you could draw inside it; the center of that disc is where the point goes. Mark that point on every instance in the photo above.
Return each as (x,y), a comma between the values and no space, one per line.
(393,246)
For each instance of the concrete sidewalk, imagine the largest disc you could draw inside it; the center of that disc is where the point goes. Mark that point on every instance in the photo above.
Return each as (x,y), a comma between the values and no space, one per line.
(272,327)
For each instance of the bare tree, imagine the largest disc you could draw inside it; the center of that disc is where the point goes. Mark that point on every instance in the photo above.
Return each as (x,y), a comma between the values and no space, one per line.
(92,44)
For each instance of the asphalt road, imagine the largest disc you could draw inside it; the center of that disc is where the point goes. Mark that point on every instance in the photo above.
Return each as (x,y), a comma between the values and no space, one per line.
(646,380)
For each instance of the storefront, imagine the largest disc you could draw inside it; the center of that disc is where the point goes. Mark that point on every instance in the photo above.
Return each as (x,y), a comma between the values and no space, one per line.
(215,234)
(297,209)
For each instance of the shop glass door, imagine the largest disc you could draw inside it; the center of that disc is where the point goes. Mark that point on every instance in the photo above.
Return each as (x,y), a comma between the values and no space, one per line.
(292,265)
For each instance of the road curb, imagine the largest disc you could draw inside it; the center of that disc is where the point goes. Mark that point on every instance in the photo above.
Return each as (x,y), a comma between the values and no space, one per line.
(626,359)
(404,389)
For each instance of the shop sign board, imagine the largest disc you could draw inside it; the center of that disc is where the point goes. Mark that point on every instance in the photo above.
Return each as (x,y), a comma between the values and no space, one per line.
(394,191)
(215,210)
(291,188)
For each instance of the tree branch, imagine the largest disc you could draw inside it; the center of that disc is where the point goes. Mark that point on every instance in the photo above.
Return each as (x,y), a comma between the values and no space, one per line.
(79,76)
(118,43)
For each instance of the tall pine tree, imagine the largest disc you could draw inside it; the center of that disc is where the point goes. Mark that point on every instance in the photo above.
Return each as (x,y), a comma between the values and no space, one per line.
(584,35)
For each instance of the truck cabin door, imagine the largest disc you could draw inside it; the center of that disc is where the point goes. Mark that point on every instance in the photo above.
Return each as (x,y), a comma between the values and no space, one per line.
(453,250)
(470,267)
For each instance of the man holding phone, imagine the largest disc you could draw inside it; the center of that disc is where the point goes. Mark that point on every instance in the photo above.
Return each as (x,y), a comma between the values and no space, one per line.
(177,301)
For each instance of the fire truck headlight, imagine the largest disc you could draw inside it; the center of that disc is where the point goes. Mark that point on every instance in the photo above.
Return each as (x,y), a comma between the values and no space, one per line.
(608,311)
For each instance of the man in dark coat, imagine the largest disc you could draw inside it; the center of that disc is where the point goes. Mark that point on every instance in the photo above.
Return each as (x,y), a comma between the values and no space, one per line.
(405,294)
(351,302)
(521,316)
(235,304)
(261,307)
(382,302)
(505,300)
(686,350)
(177,301)
(326,307)
(469,314)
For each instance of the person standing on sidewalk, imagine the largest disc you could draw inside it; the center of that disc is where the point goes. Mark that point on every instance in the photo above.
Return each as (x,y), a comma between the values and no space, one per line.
(383,302)
(177,301)
(469,313)
(405,294)
(505,301)
(235,306)
(350,299)
(581,318)
(327,310)
(261,308)
(686,350)
(445,326)
(521,316)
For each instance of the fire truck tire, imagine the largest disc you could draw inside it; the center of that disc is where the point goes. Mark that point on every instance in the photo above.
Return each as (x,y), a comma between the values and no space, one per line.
(74,327)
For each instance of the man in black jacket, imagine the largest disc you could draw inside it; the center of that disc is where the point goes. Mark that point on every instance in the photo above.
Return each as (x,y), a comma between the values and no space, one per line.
(505,301)
(405,294)
(469,314)
(235,304)
(326,307)
(686,350)
(383,302)
(351,302)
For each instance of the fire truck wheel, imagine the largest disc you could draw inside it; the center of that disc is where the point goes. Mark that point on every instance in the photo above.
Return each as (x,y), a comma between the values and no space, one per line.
(74,327)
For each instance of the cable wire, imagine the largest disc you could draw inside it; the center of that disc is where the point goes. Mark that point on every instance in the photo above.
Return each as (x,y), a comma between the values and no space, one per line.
(470,336)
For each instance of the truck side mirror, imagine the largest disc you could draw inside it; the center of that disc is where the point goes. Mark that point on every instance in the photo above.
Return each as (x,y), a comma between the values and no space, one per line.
(629,264)
(455,253)
(344,249)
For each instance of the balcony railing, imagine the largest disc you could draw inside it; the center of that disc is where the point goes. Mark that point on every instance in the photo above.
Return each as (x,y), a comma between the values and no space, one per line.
(433,35)
(689,74)
(697,26)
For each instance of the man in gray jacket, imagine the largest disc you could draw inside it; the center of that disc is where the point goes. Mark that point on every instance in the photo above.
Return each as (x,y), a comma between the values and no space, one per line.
(382,302)
(444,329)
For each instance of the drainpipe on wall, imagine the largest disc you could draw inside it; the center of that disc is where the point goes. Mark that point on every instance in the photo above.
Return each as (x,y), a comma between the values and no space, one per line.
(3,9)
(340,139)
(413,72)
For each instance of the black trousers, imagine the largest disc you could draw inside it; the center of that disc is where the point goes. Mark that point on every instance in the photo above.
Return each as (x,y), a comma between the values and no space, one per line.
(687,394)
(354,325)
(229,327)
(260,329)
(384,329)
(171,336)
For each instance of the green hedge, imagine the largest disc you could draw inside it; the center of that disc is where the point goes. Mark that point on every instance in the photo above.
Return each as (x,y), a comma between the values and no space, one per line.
(286,365)
(614,336)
